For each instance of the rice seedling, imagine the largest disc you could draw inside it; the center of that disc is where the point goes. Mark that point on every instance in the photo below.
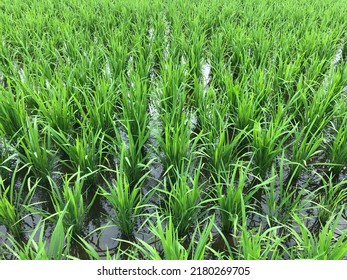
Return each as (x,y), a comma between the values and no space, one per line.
(171,244)
(100,107)
(184,199)
(331,196)
(8,215)
(14,201)
(260,245)
(233,194)
(71,198)
(12,115)
(177,144)
(268,141)
(85,152)
(306,143)
(327,245)
(246,110)
(319,111)
(38,248)
(135,125)
(221,141)
(55,105)
(35,148)
(127,201)
(336,149)
(117,53)
(218,57)
(195,51)
(284,197)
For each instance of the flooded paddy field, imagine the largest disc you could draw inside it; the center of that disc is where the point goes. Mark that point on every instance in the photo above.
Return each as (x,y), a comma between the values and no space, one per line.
(173,130)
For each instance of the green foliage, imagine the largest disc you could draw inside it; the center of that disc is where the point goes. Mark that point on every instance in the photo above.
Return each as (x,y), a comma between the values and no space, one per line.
(172,247)
(85,152)
(325,245)
(38,248)
(184,199)
(232,196)
(218,113)
(35,148)
(71,199)
(336,148)
(14,201)
(127,201)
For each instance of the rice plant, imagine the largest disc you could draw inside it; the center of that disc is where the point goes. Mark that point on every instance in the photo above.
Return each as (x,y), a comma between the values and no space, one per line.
(221,141)
(177,144)
(15,201)
(324,246)
(184,199)
(285,197)
(133,131)
(12,115)
(35,148)
(267,144)
(127,201)
(9,217)
(233,195)
(171,244)
(56,106)
(306,144)
(251,244)
(97,109)
(39,248)
(336,149)
(72,199)
(331,196)
(84,152)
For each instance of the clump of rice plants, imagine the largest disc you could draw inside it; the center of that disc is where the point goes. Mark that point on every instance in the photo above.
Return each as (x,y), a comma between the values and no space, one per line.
(267,143)
(171,244)
(72,200)
(97,109)
(85,152)
(15,200)
(284,197)
(177,145)
(325,245)
(56,106)
(184,199)
(331,196)
(8,215)
(233,195)
(259,244)
(128,203)
(12,115)
(222,143)
(35,148)
(336,149)
(305,145)
(38,248)
(133,131)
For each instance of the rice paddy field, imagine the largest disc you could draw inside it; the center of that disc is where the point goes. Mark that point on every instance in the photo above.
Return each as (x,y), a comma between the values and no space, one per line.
(173,129)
